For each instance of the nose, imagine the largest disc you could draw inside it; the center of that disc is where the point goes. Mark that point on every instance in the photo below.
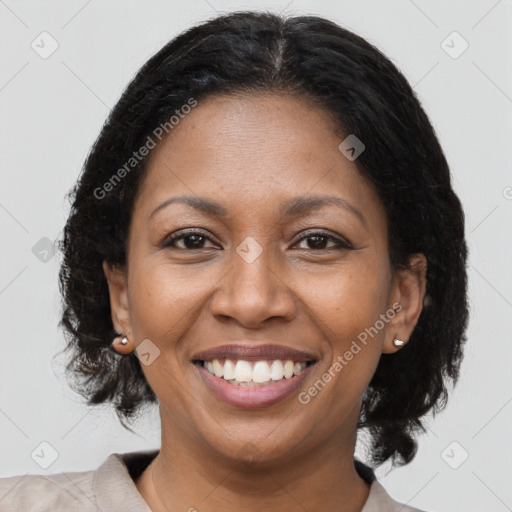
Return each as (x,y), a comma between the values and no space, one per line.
(252,292)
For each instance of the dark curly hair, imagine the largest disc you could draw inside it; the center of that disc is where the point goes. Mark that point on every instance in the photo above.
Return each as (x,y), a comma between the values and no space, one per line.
(310,57)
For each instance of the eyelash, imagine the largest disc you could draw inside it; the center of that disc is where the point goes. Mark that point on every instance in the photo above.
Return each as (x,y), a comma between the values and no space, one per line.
(340,243)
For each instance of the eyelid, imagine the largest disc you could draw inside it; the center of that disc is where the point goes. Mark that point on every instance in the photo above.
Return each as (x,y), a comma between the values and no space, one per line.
(166,242)
(338,239)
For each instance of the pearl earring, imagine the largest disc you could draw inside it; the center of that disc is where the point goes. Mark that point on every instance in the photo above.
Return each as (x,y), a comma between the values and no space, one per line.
(398,343)
(123,345)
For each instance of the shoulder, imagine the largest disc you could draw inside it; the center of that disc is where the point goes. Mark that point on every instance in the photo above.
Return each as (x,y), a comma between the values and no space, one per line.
(41,493)
(379,500)
(110,487)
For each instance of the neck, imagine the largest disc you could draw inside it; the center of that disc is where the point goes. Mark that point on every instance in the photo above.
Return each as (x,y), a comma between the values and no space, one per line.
(186,475)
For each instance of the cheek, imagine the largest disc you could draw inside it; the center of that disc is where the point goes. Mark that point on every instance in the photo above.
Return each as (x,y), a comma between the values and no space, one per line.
(349,300)
(164,298)
(165,302)
(348,310)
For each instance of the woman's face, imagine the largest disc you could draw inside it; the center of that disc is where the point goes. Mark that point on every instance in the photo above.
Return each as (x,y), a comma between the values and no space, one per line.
(245,277)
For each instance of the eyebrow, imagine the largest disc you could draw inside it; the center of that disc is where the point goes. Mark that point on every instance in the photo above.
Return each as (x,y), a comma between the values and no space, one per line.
(291,208)
(299,205)
(199,203)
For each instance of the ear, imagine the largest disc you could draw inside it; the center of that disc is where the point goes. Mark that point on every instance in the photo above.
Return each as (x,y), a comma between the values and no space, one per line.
(407,294)
(119,303)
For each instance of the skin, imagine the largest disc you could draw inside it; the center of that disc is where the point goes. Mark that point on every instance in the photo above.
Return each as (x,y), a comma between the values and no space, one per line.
(251,154)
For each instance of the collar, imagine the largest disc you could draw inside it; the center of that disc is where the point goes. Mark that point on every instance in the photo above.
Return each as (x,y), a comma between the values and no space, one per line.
(116,477)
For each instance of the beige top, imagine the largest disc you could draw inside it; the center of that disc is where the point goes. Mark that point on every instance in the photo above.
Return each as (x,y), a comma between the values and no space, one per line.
(111,488)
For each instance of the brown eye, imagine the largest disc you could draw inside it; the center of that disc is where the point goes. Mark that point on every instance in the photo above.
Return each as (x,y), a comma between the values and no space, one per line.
(319,240)
(189,240)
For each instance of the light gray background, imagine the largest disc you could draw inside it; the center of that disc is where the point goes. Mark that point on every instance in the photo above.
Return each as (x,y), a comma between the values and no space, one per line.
(51,111)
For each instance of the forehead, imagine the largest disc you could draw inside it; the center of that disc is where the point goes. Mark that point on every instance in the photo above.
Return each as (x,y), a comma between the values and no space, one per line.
(255,150)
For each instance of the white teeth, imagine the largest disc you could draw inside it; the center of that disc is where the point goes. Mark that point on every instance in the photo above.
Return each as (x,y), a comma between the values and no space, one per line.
(243,371)
(246,373)
(276,370)
(288,369)
(261,372)
(229,370)
(217,368)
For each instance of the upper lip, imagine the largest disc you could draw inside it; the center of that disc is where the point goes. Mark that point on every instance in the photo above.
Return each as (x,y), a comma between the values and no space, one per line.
(254,353)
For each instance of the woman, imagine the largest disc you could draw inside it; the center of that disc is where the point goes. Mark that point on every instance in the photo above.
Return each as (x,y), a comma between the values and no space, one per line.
(266,243)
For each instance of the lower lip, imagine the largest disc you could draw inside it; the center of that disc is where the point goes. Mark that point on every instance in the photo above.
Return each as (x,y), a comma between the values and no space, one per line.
(252,397)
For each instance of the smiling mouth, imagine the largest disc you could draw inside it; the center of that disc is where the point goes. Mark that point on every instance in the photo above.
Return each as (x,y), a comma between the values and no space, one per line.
(245,373)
